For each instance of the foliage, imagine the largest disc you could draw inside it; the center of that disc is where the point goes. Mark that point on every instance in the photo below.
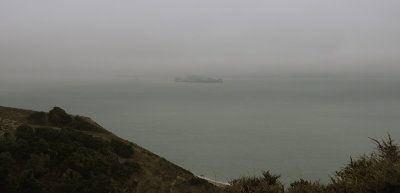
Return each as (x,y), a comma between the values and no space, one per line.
(267,184)
(195,181)
(122,149)
(24,132)
(59,117)
(80,123)
(39,118)
(377,173)
(304,186)
(67,160)
(49,160)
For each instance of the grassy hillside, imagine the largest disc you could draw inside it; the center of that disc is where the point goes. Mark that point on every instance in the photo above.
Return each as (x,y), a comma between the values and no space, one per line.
(57,152)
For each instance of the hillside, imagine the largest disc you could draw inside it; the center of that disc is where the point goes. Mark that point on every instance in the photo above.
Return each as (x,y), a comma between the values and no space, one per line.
(57,152)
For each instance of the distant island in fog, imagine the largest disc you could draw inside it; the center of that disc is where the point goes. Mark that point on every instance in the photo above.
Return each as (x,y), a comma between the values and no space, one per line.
(198,79)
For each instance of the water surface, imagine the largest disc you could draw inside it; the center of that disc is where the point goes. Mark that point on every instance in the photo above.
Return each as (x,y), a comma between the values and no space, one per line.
(298,127)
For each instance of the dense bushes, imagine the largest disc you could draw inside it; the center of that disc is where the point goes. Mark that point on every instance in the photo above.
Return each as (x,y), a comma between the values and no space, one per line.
(62,161)
(377,173)
(39,118)
(267,184)
(80,123)
(24,132)
(196,181)
(59,117)
(122,149)
(304,186)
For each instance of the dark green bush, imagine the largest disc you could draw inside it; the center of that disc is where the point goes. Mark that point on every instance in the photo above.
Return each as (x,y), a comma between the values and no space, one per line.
(132,166)
(267,184)
(48,160)
(195,181)
(28,183)
(24,132)
(7,165)
(304,186)
(80,123)
(378,172)
(59,117)
(47,133)
(39,118)
(121,149)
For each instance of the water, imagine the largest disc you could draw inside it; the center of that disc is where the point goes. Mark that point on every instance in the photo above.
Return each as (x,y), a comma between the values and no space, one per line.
(297,127)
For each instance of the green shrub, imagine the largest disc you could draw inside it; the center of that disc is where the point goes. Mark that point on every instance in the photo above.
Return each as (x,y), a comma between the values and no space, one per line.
(195,181)
(47,133)
(80,123)
(48,160)
(132,166)
(304,186)
(7,165)
(267,184)
(59,117)
(24,132)
(121,149)
(28,183)
(378,172)
(39,118)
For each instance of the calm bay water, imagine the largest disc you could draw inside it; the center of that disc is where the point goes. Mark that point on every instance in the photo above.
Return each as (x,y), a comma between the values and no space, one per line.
(298,127)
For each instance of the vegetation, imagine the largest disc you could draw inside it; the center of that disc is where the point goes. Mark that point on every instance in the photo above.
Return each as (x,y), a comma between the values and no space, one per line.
(377,173)
(48,160)
(38,118)
(56,152)
(59,117)
(80,123)
(121,149)
(267,183)
(197,181)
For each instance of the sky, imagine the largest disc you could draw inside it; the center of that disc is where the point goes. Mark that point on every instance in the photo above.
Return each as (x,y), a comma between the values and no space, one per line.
(63,39)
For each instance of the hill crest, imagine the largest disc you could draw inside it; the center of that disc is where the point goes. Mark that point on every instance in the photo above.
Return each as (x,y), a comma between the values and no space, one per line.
(152,173)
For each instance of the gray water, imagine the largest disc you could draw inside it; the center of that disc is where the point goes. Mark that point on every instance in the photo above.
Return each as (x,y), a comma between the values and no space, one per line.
(298,127)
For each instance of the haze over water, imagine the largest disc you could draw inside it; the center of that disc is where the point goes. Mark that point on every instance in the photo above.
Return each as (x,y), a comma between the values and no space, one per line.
(306,82)
(297,126)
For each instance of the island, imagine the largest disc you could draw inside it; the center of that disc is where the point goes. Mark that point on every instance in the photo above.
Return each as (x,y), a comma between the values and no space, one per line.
(198,79)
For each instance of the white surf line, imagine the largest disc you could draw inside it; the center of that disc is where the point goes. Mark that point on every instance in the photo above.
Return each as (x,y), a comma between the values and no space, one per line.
(218,183)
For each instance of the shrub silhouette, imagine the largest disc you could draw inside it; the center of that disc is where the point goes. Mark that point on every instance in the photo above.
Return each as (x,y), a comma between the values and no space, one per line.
(48,160)
(39,118)
(24,132)
(195,181)
(121,148)
(80,123)
(59,117)
(267,184)
(304,186)
(378,172)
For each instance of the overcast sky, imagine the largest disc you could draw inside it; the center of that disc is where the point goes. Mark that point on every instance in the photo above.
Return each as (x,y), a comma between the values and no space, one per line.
(67,38)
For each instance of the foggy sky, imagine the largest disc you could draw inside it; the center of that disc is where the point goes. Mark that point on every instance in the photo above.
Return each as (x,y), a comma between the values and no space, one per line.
(66,39)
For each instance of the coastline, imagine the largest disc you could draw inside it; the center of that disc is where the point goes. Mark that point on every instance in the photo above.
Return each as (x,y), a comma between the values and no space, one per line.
(216,183)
